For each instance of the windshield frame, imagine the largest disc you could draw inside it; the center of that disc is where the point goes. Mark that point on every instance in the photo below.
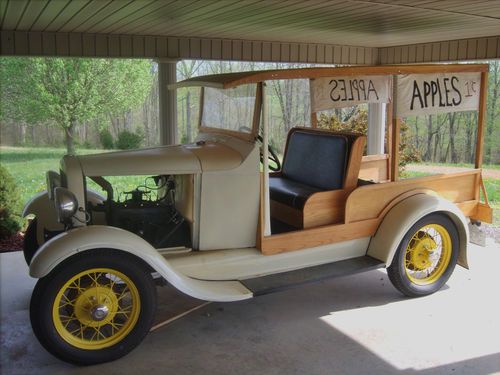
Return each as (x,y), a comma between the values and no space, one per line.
(250,136)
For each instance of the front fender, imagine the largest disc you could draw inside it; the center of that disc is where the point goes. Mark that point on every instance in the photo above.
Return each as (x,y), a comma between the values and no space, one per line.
(43,208)
(401,218)
(66,244)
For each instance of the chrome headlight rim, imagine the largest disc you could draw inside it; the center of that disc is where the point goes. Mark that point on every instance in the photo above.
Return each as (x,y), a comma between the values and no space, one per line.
(65,203)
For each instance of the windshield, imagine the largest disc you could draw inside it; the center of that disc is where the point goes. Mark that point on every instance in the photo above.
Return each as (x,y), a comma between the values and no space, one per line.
(229,109)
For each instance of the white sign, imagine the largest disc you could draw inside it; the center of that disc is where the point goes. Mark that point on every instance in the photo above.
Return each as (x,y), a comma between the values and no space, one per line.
(437,93)
(338,92)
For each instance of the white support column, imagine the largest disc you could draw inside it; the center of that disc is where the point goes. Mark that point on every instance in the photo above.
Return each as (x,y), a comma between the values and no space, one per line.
(167,74)
(376,128)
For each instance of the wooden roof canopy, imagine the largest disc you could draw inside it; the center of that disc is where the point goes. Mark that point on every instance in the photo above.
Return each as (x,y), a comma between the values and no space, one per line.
(230,80)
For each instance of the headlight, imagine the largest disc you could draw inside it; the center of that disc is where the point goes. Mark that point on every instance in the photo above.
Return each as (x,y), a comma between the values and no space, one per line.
(66,204)
(53,181)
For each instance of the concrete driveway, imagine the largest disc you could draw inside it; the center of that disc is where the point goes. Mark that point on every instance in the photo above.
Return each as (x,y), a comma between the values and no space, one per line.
(352,325)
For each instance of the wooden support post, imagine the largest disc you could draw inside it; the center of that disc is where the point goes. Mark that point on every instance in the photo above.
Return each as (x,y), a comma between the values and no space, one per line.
(396,132)
(480,119)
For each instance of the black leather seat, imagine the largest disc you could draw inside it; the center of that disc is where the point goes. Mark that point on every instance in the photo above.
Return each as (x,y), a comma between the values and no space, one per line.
(313,162)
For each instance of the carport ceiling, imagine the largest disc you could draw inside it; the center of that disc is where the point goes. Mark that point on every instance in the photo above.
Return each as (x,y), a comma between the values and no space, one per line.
(374,23)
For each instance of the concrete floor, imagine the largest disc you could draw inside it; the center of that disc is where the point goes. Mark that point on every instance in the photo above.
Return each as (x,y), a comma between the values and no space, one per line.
(352,325)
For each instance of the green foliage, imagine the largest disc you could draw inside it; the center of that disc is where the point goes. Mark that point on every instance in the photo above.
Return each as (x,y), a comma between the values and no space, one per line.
(127,140)
(106,139)
(9,204)
(68,92)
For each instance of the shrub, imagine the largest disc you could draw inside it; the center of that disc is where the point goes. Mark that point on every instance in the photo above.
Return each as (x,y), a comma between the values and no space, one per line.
(9,204)
(128,140)
(106,139)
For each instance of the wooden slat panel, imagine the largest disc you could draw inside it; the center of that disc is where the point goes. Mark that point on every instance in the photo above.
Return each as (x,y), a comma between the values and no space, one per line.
(129,14)
(90,10)
(206,49)
(184,48)
(30,13)
(48,44)
(266,51)
(69,12)
(88,45)
(101,46)
(368,202)
(217,49)
(173,47)
(62,44)
(138,46)
(247,51)
(75,45)
(13,13)
(125,46)
(256,51)
(237,50)
(285,52)
(161,47)
(110,12)
(35,44)
(275,52)
(453,50)
(48,13)
(226,50)
(194,48)
(150,46)
(114,48)
(7,46)
(21,43)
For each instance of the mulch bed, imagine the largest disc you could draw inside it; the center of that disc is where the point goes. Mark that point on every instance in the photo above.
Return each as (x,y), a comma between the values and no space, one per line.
(13,243)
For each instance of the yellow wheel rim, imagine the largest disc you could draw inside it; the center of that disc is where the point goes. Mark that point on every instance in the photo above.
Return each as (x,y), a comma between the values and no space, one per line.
(428,254)
(96,309)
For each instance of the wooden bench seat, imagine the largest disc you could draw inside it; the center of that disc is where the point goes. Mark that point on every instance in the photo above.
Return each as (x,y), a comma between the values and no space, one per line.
(320,168)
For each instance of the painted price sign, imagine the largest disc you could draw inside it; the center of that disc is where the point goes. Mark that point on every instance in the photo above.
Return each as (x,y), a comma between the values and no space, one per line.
(339,92)
(437,93)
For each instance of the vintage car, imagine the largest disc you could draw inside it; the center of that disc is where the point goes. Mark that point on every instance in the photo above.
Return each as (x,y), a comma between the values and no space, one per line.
(214,222)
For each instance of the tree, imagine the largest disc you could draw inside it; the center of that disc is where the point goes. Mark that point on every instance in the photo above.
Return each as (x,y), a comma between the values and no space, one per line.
(69,92)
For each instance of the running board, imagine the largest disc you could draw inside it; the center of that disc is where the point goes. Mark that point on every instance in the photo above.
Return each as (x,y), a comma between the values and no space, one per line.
(280,281)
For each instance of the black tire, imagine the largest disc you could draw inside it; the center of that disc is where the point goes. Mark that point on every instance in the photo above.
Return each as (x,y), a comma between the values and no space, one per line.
(48,288)
(30,245)
(399,273)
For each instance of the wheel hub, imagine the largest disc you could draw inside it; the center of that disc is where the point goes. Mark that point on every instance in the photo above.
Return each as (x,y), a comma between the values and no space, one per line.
(421,254)
(96,305)
(99,312)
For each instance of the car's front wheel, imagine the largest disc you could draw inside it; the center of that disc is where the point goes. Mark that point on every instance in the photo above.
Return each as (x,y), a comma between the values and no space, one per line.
(426,256)
(94,307)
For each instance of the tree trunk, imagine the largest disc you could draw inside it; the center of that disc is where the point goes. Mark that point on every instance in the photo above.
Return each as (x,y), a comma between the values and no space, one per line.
(69,138)
(428,153)
(453,151)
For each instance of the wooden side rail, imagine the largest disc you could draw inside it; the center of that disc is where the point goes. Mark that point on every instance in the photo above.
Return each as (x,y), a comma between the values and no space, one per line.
(368,202)
(375,168)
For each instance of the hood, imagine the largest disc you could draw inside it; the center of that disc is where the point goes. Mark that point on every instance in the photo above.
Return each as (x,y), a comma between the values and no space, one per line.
(178,159)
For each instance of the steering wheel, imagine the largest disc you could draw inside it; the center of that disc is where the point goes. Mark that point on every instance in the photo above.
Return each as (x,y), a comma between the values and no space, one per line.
(276,164)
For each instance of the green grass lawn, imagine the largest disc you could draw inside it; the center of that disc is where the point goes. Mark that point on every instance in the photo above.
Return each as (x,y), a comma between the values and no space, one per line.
(28,166)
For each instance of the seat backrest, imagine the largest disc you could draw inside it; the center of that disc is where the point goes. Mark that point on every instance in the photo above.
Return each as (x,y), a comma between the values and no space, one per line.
(316,158)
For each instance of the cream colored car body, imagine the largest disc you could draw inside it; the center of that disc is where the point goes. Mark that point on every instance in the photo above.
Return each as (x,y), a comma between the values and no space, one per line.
(224,215)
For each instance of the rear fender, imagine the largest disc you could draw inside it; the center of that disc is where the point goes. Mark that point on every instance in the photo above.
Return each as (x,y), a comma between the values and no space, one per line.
(401,218)
(82,239)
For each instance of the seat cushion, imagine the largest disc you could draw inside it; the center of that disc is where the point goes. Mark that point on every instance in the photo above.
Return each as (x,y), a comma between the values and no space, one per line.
(289,192)
(316,159)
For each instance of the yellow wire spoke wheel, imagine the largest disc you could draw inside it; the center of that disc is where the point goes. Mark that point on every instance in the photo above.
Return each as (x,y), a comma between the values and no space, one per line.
(96,308)
(428,254)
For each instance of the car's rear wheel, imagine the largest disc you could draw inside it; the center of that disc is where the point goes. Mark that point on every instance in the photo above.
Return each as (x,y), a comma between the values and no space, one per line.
(426,257)
(95,307)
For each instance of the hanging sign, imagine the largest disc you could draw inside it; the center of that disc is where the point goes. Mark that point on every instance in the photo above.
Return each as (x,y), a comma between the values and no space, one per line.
(437,93)
(339,92)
